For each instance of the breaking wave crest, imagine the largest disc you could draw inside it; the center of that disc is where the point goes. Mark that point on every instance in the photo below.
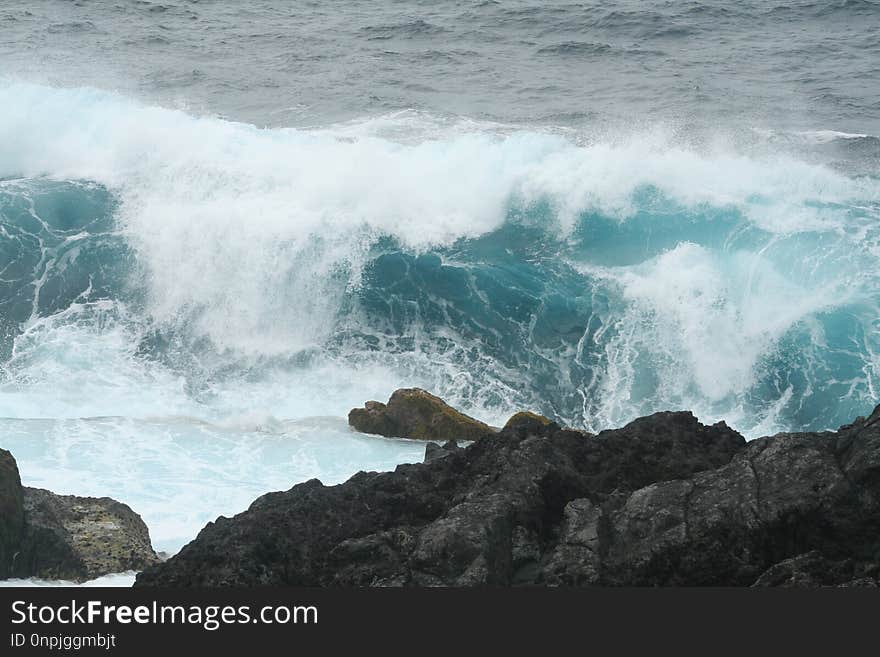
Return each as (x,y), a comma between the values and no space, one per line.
(157,263)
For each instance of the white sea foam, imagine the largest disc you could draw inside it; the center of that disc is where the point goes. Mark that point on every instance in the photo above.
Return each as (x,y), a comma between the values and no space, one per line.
(179,473)
(704,321)
(256,228)
(125,579)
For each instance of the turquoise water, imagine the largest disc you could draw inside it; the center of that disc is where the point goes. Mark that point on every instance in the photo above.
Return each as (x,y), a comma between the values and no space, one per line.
(197,265)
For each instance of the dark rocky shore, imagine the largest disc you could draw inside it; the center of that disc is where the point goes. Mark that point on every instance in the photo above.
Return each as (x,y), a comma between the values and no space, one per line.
(63,536)
(662,501)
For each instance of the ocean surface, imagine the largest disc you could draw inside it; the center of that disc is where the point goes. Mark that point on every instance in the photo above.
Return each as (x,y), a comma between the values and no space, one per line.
(224,224)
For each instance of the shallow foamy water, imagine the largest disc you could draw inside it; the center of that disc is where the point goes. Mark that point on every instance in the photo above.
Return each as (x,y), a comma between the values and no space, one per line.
(180,473)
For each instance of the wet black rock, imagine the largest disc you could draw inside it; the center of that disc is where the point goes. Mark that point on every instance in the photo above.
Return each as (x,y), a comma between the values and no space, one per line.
(435,451)
(662,501)
(488,513)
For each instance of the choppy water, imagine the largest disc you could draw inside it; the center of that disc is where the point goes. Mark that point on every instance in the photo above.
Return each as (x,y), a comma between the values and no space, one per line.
(222,226)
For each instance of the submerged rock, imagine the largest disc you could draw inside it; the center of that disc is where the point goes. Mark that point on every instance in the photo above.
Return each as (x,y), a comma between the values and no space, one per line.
(415,413)
(67,537)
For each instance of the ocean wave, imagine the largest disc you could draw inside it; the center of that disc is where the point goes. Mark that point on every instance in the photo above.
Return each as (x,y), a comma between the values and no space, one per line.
(591,277)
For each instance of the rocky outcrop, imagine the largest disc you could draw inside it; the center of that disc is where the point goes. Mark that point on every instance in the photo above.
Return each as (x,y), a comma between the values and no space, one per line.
(779,497)
(415,413)
(662,501)
(496,512)
(68,537)
(80,538)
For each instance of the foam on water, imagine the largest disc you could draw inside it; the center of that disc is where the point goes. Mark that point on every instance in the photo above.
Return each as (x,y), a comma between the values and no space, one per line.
(190,305)
(258,240)
(720,318)
(180,473)
(279,217)
(116,579)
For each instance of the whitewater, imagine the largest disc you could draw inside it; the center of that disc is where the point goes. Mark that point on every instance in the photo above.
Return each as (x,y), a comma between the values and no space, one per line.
(190,303)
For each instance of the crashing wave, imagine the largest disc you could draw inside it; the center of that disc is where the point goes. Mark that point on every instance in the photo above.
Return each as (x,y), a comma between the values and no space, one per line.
(153,259)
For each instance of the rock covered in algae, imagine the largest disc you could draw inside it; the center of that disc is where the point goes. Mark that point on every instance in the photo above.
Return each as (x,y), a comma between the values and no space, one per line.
(416,413)
(52,536)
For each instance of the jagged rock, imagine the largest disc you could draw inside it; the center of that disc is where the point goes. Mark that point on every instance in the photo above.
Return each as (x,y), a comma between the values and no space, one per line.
(415,413)
(661,501)
(66,537)
(11,511)
(779,497)
(486,514)
(435,451)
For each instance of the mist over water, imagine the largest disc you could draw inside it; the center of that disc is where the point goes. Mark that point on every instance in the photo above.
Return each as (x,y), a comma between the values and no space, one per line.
(214,246)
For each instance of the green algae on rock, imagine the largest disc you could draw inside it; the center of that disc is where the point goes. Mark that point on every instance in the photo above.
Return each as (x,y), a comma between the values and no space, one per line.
(526,420)
(416,413)
(81,538)
(52,536)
